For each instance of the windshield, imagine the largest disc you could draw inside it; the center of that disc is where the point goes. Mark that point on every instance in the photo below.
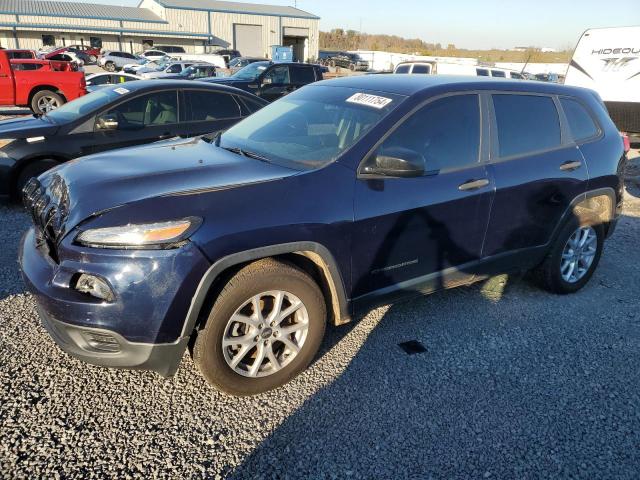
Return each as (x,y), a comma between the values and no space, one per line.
(310,128)
(251,71)
(83,105)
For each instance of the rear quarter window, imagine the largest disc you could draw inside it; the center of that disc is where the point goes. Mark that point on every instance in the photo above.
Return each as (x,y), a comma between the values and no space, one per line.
(526,124)
(482,72)
(420,68)
(581,123)
(302,75)
(403,69)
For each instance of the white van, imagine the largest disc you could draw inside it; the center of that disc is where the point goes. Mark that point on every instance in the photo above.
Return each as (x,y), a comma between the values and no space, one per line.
(607,60)
(444,68)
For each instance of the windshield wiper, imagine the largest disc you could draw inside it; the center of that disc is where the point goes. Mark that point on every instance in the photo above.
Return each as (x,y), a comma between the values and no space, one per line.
(246,153)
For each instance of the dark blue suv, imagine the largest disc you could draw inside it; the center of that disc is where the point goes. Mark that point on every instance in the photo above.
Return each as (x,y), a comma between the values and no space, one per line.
(346,194)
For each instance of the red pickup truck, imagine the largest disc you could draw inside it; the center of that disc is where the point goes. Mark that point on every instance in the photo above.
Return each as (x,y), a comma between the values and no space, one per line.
(41,89)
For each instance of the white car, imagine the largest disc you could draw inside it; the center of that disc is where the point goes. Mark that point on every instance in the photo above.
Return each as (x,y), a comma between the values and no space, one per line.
(97,81)
(166,70)
(152,54)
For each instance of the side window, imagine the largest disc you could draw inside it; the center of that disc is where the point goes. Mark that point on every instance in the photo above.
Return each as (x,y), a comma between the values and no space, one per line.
(177,68)
(498,73)
(202,106)
(445,132)
(251,105)
(101,80)
(482,72)
(517,76)
(526,123)
(421,68)
(278,75)
(403,69)
(581,123)
(302,75)
(159,108)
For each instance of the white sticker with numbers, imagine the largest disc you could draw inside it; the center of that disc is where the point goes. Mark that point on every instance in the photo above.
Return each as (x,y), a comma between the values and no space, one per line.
(121,90)
(369,100)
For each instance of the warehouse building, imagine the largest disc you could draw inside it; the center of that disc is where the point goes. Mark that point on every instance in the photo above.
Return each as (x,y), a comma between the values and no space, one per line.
(200,26)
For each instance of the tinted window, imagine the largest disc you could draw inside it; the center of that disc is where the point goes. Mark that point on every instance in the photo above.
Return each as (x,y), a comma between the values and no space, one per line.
(526,123)
(498,73)
(482,72)
(127,55)
(516,75)
(302,75)
(177,68)
(159,108)
(101,80)
(581,123)
(421,68)
(279,75)
(403,69)
(446,133)
(206,106)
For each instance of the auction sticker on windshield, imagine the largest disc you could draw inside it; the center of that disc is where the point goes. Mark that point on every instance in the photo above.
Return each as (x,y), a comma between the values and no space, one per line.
(121,90)
(369,100)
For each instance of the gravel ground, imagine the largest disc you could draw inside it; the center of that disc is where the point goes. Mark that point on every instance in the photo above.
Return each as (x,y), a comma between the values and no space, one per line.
(514,383)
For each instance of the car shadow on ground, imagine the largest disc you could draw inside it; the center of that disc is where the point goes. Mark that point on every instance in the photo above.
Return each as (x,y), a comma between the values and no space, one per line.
(500,391)
(15,222)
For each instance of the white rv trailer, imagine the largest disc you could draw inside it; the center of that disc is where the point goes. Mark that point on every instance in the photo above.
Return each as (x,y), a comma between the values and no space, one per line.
(607,60)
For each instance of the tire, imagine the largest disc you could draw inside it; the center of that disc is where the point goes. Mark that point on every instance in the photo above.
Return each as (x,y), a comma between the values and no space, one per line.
(34,169)
(264,276)
(110,67)
(549,274)
(44,101)
(93,58)
(352,67)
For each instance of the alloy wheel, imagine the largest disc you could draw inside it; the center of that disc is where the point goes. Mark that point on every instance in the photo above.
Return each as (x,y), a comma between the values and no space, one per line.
(578,254)
(47,103)
(265,334)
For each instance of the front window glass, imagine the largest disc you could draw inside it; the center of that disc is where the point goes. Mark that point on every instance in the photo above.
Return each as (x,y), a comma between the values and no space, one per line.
(278,75)
(311,127)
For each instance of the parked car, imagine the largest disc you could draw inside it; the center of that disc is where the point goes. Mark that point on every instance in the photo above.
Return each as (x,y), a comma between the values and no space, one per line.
(241,62)
(113,117)
(324,56)
(270,80)
(547,77)
(432,67)
(227,54)
(170,49)
(93,52)
(43,65)
(145,65)
(97,81)
(41,89)
(114,61)
(165,70)
(86,58)
(64,55)
(352,61)
(152,54)
(194,72)
(342,196)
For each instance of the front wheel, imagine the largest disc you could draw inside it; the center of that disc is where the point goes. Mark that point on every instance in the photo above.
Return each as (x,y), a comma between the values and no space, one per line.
(45,101)
(110,67)
(93,58)
(265,327)
(574,256)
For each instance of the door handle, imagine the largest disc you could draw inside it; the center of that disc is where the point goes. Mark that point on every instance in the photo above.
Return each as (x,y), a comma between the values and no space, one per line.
(570,166)
(473,185)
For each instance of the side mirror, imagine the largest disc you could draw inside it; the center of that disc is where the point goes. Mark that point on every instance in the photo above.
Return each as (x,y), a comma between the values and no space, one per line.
(397,162)
(107,122)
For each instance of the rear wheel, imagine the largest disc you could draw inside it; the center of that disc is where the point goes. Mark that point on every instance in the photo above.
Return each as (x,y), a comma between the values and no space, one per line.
(264,329)
(34,169)
(574,256)
(44,101)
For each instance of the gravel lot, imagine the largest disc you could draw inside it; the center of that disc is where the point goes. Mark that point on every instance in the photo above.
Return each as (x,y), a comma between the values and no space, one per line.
(515,383)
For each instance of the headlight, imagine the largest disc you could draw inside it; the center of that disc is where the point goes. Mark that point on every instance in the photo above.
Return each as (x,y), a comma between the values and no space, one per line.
(149,235)
(6,141)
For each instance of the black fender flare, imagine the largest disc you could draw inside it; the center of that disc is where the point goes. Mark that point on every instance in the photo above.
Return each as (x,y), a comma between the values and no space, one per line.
(333,272)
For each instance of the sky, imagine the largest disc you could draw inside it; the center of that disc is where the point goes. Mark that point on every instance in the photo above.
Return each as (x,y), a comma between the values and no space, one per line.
(473,24)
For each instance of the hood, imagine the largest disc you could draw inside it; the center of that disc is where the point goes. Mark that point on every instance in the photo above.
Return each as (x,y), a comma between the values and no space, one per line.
(105,181)
(25,127)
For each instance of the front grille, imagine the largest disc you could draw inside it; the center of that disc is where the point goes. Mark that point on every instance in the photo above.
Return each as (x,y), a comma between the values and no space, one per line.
(48,208)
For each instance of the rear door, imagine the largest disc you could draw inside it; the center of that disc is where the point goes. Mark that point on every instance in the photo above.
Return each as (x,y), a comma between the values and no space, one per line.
(427,232)
(301,75)
(538,171)
(208,112)
(143,119)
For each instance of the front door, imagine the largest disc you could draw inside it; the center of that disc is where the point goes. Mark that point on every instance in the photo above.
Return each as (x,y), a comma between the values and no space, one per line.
(144,119)
(424,233)
(6,85)
(275,82)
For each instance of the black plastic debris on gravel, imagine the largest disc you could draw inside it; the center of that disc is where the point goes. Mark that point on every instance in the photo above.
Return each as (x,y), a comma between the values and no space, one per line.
(412,347)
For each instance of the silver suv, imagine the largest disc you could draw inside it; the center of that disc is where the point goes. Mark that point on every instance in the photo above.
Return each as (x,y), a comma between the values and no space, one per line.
(114,61)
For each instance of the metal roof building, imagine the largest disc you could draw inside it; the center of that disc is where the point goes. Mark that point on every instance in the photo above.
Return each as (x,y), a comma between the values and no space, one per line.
(196,25)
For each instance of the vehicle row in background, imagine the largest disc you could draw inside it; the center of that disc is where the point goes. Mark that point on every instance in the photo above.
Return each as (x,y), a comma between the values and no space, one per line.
(445,68)
(117,116)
